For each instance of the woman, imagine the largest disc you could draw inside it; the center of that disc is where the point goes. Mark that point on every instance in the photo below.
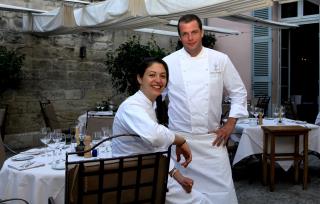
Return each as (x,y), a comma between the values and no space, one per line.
(136,115)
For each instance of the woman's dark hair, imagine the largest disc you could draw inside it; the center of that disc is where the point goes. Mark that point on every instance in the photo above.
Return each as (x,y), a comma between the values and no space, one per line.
(188,18)
(161,110)
(149,61)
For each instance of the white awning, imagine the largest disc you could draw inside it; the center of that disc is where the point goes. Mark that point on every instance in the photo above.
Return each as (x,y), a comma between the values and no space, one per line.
(259,21)
(7,7)
(130,14)
(157,31)
(211,29)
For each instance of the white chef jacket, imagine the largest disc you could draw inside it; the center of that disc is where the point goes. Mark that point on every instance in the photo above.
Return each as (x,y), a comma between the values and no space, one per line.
(195,90)
(136,115)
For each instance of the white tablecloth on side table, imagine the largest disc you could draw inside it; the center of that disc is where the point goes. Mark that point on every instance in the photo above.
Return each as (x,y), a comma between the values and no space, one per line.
(36,185)
(251,141)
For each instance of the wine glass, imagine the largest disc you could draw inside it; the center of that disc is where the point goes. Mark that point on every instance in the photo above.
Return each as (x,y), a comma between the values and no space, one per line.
(98,106)
(96,138)
(276,111)
(107,132)
(57,137)
(45,137)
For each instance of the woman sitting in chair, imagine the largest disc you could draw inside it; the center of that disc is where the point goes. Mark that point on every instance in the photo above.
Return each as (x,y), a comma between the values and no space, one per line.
(136,115)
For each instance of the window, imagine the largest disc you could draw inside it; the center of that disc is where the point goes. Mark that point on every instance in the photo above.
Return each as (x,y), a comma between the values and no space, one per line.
(310,8)
(289,10)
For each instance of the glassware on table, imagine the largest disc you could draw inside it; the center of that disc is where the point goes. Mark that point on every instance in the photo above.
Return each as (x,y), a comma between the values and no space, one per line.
(279,112)
(45,137)
(106,133)
(57,139)
(98,106)
(96,138)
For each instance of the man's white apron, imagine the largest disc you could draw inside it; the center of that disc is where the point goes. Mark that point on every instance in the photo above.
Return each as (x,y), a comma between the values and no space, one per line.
(210,169)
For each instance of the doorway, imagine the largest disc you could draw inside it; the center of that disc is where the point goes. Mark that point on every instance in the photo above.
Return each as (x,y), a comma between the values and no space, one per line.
(300,69)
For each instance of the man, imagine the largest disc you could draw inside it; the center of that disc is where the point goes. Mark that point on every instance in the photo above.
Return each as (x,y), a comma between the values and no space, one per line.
(198,77)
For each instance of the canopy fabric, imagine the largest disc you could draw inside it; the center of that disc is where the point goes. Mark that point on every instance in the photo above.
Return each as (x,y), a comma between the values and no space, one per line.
(131,14)
(259,21)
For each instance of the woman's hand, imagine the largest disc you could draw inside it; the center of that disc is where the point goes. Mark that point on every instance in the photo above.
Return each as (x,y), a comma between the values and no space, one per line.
(185,182)
(185,150)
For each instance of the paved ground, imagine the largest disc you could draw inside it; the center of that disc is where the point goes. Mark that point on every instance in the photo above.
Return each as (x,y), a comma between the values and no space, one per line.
(251,191)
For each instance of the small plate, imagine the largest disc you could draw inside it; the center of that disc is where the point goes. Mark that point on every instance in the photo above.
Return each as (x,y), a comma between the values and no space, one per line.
(300,122)
(59,166)
(22,157)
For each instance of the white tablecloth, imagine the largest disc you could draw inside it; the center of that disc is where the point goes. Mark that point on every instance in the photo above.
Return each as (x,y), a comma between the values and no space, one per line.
(251,140)
(36,185)
(82,119)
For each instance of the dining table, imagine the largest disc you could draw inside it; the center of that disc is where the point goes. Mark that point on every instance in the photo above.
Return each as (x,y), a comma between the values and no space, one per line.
(39,173)
(249,136)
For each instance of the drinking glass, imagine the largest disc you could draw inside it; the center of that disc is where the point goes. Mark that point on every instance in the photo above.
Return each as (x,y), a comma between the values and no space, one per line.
(107,132)
(45,137)
(276,111)
(96,138)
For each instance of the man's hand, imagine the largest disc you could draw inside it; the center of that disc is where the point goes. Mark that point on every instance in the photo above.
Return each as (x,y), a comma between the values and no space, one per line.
(184,149)
(224,132)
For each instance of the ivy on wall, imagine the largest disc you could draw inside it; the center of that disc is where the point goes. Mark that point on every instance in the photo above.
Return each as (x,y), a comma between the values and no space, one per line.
(10,69)
(123,63)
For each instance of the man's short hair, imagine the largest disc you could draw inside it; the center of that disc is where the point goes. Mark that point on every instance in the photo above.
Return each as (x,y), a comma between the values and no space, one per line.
(188,18)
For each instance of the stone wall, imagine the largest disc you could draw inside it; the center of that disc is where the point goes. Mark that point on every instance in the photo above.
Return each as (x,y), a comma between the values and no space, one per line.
(53,70)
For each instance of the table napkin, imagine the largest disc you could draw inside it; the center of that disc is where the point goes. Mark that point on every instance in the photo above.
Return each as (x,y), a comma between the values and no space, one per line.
(34,151)
(25,165)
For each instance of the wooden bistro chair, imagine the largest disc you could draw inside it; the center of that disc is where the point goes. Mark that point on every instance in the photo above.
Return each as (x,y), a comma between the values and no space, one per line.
(263,102)
(51,118)
(96,122)
(133,179)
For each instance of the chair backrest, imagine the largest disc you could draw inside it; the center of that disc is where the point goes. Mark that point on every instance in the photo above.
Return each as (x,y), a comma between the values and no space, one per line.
(2,153)
(3,116)
(290,110)
(49,115)
(133,179)
(263,102)
(96,122)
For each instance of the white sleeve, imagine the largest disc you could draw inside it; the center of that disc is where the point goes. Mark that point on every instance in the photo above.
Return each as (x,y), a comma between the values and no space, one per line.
(236,91)
(135,119)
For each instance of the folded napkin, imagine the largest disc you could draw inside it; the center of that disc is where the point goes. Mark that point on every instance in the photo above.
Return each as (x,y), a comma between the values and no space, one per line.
(34,151)
(25,165)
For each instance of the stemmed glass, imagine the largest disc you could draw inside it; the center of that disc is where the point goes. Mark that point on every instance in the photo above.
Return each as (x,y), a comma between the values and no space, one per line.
(56,137)
(45,137)
(107,132)
(279,112)
(276,111)
(98,106)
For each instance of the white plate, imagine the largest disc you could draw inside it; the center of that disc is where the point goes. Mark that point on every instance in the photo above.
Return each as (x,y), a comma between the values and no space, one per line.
(22,157)
(60,166)
(300,122)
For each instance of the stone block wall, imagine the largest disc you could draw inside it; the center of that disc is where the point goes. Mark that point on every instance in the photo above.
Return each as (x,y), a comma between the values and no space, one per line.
(53,70)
